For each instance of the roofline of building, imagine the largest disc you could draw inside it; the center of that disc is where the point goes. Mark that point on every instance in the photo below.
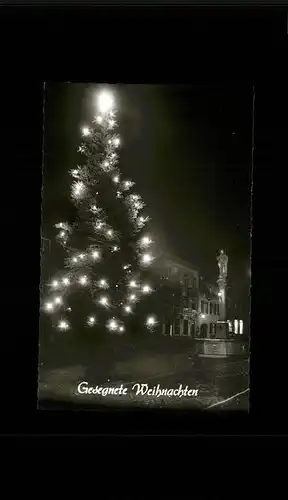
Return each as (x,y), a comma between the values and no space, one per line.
(179,261)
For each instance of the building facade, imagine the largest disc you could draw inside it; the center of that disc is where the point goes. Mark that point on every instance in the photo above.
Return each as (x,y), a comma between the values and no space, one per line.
(192,307)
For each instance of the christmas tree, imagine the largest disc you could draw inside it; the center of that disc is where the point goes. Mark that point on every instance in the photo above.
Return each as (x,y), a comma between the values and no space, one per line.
(107,250)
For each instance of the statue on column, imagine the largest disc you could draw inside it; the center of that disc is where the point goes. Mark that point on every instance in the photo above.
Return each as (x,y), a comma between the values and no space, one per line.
(222,264)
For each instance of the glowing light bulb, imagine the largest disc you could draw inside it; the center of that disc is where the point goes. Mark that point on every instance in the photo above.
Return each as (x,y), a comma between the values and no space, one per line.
(109,232)
(113,155)
(94,208)
(99,119)
(146,289)
(55,284)
(69,309)
(103,301)
(91,320)
(145,241)
(63,325)
(81,256)
(121,328)
(112,324)
(58,300)
(75,172)
(126,266)
(133,284)
(103,282)
(150,321)
(83,280)
(85,131)
(112,123)
(146,258)
(202,316)
(66,281)
(106,163)
(132,297)
(49,306)
(116,141)
(99,225)
(105,102)
(78,189)
(95,254)
(116,179)
(75,259)
(128,309)
(219,294)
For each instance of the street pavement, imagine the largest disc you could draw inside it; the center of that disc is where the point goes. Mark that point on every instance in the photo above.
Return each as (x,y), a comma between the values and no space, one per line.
(221,385)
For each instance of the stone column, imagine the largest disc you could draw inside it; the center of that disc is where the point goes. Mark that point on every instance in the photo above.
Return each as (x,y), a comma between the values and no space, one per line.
(222,325)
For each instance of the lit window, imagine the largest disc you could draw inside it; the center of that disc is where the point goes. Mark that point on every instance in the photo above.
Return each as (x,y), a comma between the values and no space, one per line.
(240,326)
(235,326)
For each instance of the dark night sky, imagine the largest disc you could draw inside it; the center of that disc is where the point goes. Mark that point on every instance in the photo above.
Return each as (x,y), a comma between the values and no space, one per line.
(189,151)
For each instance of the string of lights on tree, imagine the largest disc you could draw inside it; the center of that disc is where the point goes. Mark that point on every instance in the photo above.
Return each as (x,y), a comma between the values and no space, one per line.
(99,148)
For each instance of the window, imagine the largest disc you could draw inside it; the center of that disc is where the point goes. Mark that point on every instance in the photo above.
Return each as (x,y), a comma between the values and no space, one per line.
(236,326)
(185,327)
(211,307)
(212,329)
(203,330)
(177,327)
(185,281)
(194,305)
(192,329)
(206,307)
(185,302)
(202,306)
(240,326)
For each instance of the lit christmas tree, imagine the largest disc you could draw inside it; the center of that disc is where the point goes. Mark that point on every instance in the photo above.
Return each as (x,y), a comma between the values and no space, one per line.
(107,249)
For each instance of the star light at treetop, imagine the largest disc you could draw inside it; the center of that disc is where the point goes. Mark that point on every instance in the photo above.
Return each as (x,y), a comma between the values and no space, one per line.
(105,102)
